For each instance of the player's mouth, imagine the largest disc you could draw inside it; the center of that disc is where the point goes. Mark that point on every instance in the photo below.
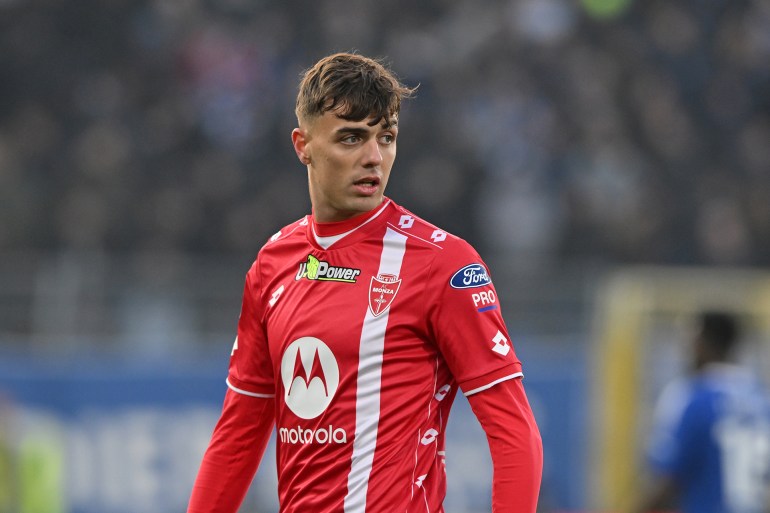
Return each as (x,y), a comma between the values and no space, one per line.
(367,186)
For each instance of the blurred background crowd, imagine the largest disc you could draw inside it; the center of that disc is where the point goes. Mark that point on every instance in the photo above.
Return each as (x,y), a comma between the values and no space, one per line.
(607,130)
(145,157)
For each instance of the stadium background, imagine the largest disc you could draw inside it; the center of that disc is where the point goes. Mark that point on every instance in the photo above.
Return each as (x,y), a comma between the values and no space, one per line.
(145,157)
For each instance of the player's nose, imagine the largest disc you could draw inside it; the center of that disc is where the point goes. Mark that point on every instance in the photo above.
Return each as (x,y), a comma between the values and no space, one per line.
(372,153)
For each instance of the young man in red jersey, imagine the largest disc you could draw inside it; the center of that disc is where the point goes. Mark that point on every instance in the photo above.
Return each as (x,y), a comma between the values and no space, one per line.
(359,324)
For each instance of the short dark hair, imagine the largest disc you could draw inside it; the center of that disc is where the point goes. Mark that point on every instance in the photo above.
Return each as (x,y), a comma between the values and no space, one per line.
(720,330)
(354,86)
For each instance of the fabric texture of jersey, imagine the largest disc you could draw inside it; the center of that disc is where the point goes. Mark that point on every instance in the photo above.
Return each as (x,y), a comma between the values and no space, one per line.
(712,435)
(363,331)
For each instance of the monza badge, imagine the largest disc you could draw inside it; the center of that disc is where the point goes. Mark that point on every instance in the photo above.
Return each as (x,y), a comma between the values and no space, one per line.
(382,291)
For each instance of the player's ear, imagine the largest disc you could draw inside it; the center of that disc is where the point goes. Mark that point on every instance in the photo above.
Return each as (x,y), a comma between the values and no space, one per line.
(299,139)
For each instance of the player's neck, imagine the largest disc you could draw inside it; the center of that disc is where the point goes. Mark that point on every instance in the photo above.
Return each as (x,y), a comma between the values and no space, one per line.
(337,227)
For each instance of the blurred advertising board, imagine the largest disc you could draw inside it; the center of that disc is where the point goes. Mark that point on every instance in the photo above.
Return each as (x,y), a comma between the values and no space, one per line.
(110,436)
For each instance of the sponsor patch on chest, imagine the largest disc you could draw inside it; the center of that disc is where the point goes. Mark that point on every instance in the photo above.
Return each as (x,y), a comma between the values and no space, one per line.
(320,270)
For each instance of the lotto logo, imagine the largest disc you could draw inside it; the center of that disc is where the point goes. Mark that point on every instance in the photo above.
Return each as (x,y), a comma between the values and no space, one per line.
(276,295)
(438,235)
(429,437)
(442,392)
(406,221)
(501,344)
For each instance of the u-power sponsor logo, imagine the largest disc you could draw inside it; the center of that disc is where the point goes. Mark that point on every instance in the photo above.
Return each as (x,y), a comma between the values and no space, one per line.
(470,276)
(321,270)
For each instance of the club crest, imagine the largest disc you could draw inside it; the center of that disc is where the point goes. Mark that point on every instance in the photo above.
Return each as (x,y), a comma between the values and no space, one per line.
(382,291)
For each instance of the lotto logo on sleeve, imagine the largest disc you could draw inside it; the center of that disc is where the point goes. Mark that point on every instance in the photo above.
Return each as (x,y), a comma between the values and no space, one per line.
(470,276)
(501,345)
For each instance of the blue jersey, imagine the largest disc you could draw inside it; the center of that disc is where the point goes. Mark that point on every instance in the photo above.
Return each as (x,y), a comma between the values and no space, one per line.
(712,436)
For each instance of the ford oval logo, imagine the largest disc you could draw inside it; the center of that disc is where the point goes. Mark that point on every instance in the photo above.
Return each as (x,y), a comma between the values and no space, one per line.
(472,275)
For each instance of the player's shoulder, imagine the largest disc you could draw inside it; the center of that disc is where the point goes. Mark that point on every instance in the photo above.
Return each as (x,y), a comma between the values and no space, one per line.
(281,242)
(277,246)
(287,233)
(425,233)
(452,258)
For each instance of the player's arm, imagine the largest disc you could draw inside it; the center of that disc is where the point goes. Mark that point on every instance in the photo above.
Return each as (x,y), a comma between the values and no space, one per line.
(248,414)
(465,315)
(515,445)
(233,455)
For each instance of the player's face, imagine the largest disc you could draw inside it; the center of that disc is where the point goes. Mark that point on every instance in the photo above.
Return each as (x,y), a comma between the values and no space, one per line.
(348,164)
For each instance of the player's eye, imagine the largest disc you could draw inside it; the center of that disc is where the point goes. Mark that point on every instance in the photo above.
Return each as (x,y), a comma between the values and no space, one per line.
(387,139)
(350,139)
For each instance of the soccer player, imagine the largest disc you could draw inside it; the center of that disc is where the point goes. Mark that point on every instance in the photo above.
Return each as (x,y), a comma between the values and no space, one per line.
(359,324)
(710,450)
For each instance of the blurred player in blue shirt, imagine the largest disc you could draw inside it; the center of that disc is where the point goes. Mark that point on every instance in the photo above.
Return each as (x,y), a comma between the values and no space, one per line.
(710,447)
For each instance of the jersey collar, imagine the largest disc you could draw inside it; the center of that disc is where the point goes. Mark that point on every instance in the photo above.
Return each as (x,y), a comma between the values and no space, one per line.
(326,234)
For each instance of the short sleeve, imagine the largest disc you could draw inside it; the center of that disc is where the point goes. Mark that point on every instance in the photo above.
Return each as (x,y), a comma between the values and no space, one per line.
(251,371)
(465,317)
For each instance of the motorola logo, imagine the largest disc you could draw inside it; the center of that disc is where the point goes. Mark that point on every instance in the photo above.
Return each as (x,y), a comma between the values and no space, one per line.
(310,377)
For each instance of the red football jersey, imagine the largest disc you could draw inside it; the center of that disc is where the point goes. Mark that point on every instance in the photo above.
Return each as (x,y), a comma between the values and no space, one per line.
(363,331)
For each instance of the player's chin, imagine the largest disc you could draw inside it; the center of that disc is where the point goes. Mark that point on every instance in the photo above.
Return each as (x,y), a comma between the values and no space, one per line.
(368,200)
(367,203)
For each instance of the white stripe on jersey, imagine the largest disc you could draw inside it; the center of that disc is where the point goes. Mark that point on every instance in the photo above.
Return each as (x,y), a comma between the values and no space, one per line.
(369,380)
